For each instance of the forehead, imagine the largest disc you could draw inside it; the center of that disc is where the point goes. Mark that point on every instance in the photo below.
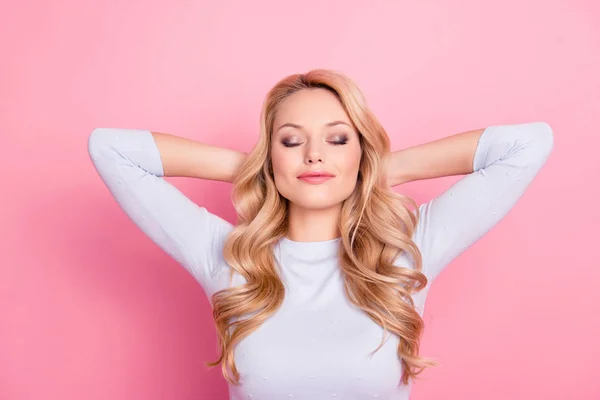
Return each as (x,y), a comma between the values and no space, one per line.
(310,107)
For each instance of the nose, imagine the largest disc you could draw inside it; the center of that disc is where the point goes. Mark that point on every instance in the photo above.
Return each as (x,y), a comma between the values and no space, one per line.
(313,154)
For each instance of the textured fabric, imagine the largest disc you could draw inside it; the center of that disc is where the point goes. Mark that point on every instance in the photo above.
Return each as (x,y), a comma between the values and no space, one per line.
(318,345)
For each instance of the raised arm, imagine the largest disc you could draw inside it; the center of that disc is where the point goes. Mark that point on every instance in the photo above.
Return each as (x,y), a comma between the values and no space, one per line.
(132,162)
(505,160)
(188,158)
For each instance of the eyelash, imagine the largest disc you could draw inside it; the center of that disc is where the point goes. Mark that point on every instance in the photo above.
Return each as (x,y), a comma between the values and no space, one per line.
(335,143)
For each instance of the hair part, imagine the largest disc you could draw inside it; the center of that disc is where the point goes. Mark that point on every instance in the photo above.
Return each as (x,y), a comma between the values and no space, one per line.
(376,226)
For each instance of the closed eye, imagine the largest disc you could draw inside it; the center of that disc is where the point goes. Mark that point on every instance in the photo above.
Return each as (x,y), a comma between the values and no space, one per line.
(339,142)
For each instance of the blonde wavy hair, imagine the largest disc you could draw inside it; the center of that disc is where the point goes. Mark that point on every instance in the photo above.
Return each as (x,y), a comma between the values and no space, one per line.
(376,226)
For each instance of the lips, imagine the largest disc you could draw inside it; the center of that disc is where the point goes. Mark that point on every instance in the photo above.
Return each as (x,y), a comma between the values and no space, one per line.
(315,174)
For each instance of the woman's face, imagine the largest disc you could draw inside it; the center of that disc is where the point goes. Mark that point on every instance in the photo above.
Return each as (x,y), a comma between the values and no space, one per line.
(312,132)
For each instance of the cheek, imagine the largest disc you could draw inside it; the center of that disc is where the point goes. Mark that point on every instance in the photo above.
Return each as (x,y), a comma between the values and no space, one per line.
(349,164)
(283,165)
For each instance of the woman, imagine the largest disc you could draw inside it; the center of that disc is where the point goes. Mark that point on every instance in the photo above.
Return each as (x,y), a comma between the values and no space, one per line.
(318,291)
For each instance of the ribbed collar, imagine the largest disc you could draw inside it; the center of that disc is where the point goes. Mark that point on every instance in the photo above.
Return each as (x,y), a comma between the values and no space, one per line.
(310,251)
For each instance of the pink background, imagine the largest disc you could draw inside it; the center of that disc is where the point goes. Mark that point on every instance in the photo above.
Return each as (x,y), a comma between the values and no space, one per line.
(91,309)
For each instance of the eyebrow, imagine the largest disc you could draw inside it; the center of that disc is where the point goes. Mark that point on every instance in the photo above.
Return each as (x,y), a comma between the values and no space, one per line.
(333,123)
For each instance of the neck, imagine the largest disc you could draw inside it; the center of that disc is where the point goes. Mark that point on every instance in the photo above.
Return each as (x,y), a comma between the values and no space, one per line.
(310,225)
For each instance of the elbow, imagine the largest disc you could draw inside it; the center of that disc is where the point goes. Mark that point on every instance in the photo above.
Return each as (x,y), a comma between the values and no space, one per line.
(98,142)
(542,138)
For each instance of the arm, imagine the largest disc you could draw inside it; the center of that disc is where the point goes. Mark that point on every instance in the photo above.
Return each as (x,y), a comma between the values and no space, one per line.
(188,158)
(132,163)
(451,155)
(505,160)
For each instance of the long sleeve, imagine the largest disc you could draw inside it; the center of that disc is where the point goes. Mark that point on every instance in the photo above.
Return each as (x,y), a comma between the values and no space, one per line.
(507,159)
(128,162)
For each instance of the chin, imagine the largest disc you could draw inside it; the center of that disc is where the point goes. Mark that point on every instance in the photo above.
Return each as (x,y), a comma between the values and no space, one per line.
(317,200)
(312,203)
